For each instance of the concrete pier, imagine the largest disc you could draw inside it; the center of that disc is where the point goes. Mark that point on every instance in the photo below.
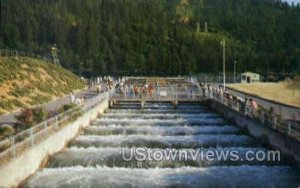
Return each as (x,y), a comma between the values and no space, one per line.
(17,170)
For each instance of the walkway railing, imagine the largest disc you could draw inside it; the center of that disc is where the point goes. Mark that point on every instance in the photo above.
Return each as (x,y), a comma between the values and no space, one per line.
(270,119)
(12,147)
(160,94)
(15,145)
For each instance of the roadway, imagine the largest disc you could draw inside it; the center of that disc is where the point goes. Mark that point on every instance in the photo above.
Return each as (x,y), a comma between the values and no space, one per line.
(51,106)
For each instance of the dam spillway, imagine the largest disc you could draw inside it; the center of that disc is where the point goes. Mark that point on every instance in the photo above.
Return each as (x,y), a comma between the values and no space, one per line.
(105,153)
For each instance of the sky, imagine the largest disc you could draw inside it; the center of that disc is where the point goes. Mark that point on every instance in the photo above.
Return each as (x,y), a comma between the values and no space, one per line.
(290,1)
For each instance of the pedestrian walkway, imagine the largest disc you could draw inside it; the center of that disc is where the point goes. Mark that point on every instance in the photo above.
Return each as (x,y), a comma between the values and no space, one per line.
(286,111)
(52,105)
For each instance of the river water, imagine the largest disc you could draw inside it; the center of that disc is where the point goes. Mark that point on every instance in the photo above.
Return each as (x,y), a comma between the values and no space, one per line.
(105,154)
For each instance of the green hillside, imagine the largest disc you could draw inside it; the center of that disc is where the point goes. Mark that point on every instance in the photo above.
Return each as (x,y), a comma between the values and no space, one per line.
(26,82)
(157,37)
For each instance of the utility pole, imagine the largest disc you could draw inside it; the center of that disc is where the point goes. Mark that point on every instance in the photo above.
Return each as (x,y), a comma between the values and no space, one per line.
(80,68)
(234,71)
(224,56)
(198,27)
(205,27)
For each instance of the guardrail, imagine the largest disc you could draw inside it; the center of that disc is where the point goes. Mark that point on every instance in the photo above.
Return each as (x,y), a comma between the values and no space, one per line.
(17,144)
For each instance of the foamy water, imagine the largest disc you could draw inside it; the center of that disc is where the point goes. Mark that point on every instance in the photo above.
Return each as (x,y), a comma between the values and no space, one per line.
(237,176)
(113,157)
(163,141)
(95,158)
(160,130)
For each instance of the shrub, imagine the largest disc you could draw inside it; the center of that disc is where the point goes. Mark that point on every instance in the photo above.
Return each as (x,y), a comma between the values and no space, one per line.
(25,119)
(39,99)
(30,117)
(6,130)
(17,103)
(18,91)
(6,104)
(66,107)
(39,114)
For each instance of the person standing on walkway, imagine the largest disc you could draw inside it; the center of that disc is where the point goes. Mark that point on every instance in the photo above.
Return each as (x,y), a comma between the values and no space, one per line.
(72,97)
(203,89)
(241,105)
(254,107)
(131,90)
(246,106)
(157,87)
(136,90)
(98,88)
(210,92)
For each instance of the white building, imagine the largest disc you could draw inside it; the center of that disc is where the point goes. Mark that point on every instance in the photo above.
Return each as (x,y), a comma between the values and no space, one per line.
(250,77)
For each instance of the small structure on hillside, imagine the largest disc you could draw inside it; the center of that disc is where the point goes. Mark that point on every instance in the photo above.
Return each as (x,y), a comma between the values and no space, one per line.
(54,53)
(250,77)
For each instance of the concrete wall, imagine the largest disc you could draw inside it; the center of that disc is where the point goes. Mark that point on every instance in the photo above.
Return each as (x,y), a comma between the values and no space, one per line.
(289,147)
(30,161)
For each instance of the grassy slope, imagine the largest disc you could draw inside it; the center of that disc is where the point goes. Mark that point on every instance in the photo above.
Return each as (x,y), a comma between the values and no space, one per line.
(283,92)
(26,82)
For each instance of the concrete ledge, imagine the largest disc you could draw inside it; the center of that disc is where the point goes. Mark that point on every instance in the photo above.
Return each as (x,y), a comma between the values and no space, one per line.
(30,161)
(289,147)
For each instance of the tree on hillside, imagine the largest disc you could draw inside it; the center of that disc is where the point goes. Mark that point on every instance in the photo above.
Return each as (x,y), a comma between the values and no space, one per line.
(157,37)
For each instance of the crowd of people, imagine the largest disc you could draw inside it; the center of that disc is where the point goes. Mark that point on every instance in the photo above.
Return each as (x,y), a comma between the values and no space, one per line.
(98,85)
(247,106)
(135,90)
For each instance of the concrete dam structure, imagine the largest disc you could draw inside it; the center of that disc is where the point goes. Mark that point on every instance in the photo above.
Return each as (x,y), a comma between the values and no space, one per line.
(163,146)
(174,136)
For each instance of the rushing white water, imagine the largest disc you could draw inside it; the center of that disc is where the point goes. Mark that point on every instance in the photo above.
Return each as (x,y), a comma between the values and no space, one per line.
(161,115)
(160,130)
(114,157)
(95,158)
(141,121)
(156,106)
(192,141)
(233,176)
(158,111)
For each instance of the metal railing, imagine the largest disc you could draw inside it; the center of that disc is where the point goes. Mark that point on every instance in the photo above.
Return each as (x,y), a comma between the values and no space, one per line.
(15,145)
(17,53)
(161,94)
(265,117)
(272,120)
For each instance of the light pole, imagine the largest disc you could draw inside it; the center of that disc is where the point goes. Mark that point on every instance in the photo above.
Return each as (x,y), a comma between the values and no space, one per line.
(234,71)
(80,67)
(223,43)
